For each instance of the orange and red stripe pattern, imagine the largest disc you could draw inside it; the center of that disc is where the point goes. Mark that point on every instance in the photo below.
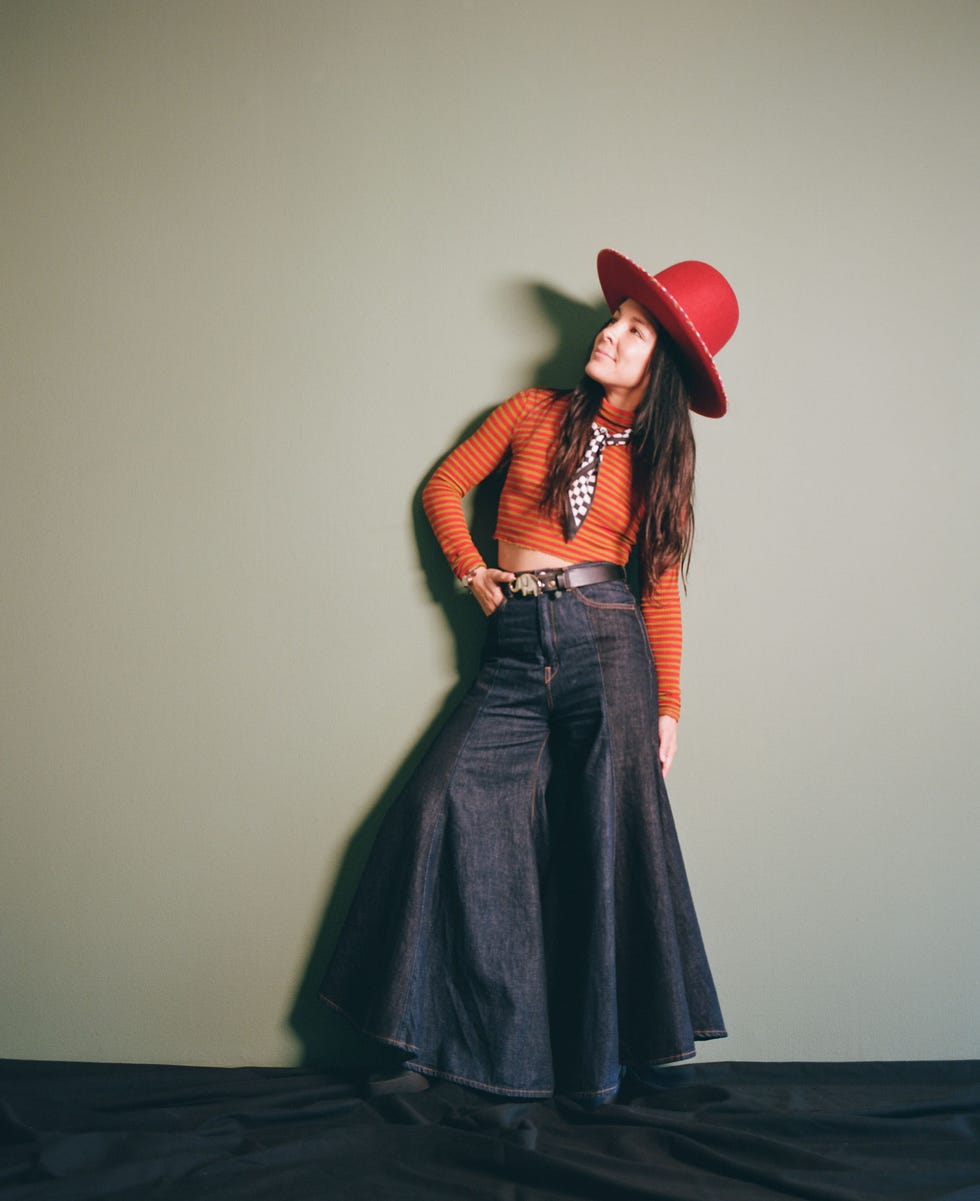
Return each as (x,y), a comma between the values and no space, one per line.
(524,428)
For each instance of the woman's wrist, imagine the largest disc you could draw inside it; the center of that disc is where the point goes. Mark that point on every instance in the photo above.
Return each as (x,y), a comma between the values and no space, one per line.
(468,578)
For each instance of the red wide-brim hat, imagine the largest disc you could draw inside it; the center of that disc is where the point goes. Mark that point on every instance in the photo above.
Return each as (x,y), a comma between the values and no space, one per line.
(694,303)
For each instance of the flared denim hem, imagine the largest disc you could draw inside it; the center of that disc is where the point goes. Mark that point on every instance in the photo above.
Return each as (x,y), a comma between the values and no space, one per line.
(524,924)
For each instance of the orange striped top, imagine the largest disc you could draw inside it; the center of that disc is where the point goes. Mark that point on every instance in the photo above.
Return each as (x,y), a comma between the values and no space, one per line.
(524,430)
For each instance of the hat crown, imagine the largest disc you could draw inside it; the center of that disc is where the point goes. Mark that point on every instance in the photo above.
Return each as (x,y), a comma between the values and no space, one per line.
(706,299)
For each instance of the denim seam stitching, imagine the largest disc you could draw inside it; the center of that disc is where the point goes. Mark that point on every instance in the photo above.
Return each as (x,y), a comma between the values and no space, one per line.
(624,606)
(381,1038)
(612,771)
(536,775)
(408,989)
(551,672)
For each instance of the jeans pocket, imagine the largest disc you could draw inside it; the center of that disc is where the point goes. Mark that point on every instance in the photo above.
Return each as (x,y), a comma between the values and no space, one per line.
(612,594)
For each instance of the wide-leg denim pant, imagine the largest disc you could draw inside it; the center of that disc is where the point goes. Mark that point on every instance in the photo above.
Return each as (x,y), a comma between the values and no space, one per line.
(524,923)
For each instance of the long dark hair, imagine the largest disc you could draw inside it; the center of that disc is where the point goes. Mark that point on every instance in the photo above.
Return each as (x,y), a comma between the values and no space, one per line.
(663,460)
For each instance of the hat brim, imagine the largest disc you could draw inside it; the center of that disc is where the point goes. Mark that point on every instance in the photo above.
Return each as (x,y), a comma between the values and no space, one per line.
(621,279)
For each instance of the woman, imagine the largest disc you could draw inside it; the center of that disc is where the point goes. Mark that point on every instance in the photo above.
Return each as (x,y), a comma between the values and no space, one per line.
(524,925)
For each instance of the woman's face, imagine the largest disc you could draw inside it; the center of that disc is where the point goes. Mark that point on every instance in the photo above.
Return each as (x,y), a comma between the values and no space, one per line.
(621,352)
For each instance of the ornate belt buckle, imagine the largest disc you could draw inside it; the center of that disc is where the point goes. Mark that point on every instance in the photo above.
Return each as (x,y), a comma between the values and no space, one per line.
(525,585)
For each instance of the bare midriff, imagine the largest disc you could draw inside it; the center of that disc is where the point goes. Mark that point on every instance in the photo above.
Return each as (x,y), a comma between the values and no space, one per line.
(511,557)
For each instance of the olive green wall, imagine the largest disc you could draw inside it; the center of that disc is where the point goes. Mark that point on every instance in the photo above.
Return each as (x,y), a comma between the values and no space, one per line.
(262,264)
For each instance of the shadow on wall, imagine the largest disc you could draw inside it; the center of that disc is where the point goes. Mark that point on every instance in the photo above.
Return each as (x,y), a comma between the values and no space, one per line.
(326,1038)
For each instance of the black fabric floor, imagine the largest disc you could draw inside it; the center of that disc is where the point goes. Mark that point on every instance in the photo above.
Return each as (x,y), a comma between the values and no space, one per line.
(733,1131)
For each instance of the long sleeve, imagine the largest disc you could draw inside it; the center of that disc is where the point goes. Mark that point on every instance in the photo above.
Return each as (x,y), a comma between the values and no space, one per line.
(660,607)
(471,462)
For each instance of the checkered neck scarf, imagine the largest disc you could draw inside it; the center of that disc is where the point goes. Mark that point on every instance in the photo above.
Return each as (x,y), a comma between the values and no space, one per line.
(582,488)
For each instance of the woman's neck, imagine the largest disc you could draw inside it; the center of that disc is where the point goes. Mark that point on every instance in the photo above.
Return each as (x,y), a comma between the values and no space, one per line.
(627,400)
(611,412)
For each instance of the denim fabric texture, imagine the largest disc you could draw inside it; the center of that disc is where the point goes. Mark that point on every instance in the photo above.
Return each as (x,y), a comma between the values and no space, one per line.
(524,924)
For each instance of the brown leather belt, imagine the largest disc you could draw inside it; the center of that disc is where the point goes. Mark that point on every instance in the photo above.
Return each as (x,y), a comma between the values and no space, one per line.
(560,579)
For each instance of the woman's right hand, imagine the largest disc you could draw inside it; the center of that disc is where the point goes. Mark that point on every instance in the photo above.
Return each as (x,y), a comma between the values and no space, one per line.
(485,583)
